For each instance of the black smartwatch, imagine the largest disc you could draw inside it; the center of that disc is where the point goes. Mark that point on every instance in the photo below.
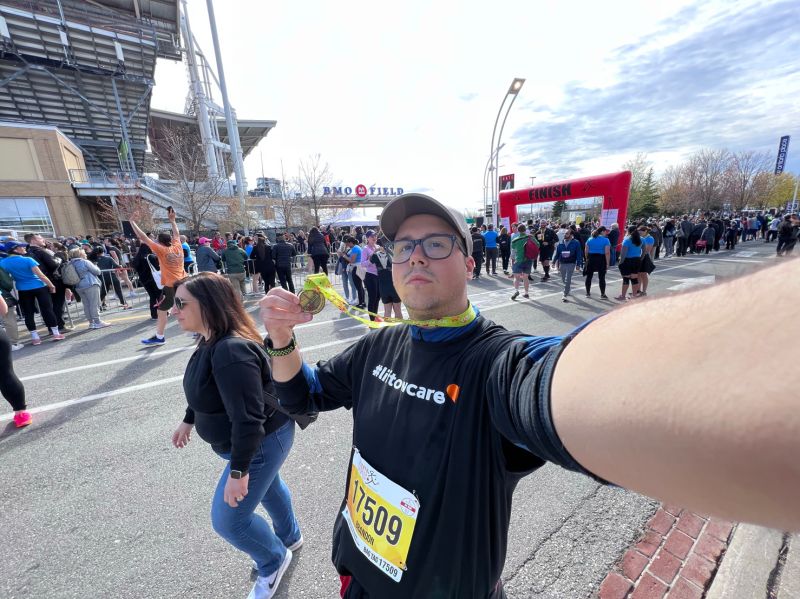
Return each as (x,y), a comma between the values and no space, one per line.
(237,474)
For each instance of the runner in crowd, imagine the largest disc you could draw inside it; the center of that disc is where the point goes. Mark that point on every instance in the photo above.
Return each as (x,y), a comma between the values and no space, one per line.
(10,317)
(319,250)
(206,258)
(613,239)
(88,288)
(490,244)
(598,260)
(33,288)
(646,266)
(630,260)
(169,252)
(227,383)
(477,252)
(235,259)
(49,264)
(263,264)
(504,245)
(343,268)
(508,402)
(354,259)
(11,387)
(283,254)
(707,237)
(772,230)
(370,273)
(188,259)
(523,256)
(391,301)
(787,235)
(547,239)
(108,266)
(568,255)
(144,259)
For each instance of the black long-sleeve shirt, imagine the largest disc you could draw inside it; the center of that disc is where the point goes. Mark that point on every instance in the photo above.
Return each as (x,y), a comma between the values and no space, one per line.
(460,435)
(224,385)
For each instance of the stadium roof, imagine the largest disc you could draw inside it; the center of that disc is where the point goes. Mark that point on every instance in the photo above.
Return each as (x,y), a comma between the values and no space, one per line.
(86,67)
(250,131)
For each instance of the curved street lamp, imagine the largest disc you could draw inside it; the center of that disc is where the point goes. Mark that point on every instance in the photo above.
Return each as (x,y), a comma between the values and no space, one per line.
(513,92)
(488,169)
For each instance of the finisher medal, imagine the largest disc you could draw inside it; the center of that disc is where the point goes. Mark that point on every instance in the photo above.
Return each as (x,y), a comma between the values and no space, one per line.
(311,301)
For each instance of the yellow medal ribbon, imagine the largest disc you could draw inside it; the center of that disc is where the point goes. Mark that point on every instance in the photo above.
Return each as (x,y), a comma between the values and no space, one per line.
(319,284)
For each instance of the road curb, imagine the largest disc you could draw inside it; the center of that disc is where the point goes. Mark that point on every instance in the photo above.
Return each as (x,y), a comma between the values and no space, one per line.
(675,558)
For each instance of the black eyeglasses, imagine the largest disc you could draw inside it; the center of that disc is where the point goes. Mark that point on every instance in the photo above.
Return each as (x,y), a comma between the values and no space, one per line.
(180,303)
(435,247)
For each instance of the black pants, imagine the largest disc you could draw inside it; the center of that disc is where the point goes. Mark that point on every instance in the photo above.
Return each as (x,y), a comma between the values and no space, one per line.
(268,274)
(27,303)
(59,300)
(682,246)
(491,260)
(154,293)
(596,264)
(10,386)
(478,261)
(373,293)
(285,277)
(785,245)
(505,256)
(359,285)
(320,263)
(111,279)
(771,235)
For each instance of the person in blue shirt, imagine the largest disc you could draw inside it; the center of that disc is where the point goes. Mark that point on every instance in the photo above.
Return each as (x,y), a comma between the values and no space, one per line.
(598,259)
(630,259)
(490,245)
(647,265)
(188,259)
(567,255)
(354,260)
(33,287)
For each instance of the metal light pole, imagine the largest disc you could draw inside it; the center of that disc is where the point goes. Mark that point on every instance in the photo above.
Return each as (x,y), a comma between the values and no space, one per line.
(233,132)
(513,91)
(488,169)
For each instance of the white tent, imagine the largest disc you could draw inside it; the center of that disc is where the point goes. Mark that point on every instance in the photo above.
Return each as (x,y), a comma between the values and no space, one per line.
(350,218)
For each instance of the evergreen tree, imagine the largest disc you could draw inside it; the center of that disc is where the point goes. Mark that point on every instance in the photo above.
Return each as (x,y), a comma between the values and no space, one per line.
(558,208)
(646,202)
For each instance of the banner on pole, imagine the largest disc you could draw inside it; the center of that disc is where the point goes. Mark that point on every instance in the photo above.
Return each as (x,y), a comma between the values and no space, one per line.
(783,149)
(506,182)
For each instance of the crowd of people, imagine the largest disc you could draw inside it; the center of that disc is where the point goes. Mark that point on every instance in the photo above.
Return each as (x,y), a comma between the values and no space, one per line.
(245,394)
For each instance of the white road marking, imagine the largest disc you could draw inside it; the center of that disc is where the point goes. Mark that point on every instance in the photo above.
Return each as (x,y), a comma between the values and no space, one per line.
(692,282)
(107,363)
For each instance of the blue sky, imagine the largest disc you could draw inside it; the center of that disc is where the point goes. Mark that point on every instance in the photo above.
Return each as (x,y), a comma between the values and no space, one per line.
(405,95)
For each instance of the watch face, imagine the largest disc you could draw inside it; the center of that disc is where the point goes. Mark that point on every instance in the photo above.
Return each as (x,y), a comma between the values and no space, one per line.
(236,474)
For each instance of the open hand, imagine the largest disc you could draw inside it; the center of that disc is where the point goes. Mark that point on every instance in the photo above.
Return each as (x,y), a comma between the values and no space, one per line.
(182,435)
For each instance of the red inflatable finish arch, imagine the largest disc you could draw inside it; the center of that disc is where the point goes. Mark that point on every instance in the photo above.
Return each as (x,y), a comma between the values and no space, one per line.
(614,189)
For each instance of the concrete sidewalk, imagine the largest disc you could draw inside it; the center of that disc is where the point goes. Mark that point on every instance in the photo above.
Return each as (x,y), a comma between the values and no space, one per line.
(759,563)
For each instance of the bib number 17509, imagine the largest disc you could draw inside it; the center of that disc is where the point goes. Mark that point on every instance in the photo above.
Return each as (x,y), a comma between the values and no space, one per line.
(381,516)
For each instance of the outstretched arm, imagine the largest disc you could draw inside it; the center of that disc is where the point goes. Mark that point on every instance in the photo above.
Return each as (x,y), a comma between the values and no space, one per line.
(715,447)
(141,235)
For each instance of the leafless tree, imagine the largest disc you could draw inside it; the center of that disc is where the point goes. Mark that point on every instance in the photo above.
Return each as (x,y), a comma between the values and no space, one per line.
(707,169)
(130,205)
(745,177)
(315,174)
(181,160)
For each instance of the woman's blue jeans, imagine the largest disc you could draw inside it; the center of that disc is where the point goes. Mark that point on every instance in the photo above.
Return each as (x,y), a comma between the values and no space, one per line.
(244,529)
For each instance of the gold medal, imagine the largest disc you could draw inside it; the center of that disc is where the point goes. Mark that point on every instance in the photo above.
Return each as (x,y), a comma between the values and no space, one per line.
(311,301)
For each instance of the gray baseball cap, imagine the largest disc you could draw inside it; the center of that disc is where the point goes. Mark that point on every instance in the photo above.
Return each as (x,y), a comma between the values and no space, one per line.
(411,204)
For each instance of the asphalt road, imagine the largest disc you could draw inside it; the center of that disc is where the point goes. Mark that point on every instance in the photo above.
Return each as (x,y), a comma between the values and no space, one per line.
(95,502)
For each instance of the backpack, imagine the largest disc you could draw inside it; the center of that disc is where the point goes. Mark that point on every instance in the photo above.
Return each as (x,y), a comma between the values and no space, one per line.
(68,274)
(531,249)
(6,282)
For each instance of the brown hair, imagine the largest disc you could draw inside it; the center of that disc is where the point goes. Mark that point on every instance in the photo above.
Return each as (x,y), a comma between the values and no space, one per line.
(221,307)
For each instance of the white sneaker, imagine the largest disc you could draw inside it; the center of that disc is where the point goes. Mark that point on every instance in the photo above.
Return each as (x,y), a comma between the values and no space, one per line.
(297,544)
(266,586)
(19,346)
(99,325)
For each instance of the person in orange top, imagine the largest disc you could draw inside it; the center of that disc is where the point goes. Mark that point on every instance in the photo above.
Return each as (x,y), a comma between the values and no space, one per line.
(169,251)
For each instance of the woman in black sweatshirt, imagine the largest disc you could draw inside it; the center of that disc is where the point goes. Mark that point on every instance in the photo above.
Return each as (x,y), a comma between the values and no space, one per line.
(226,383)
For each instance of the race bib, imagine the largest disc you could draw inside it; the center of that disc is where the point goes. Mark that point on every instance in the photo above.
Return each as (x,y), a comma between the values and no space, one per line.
(381,516)
(565,254)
